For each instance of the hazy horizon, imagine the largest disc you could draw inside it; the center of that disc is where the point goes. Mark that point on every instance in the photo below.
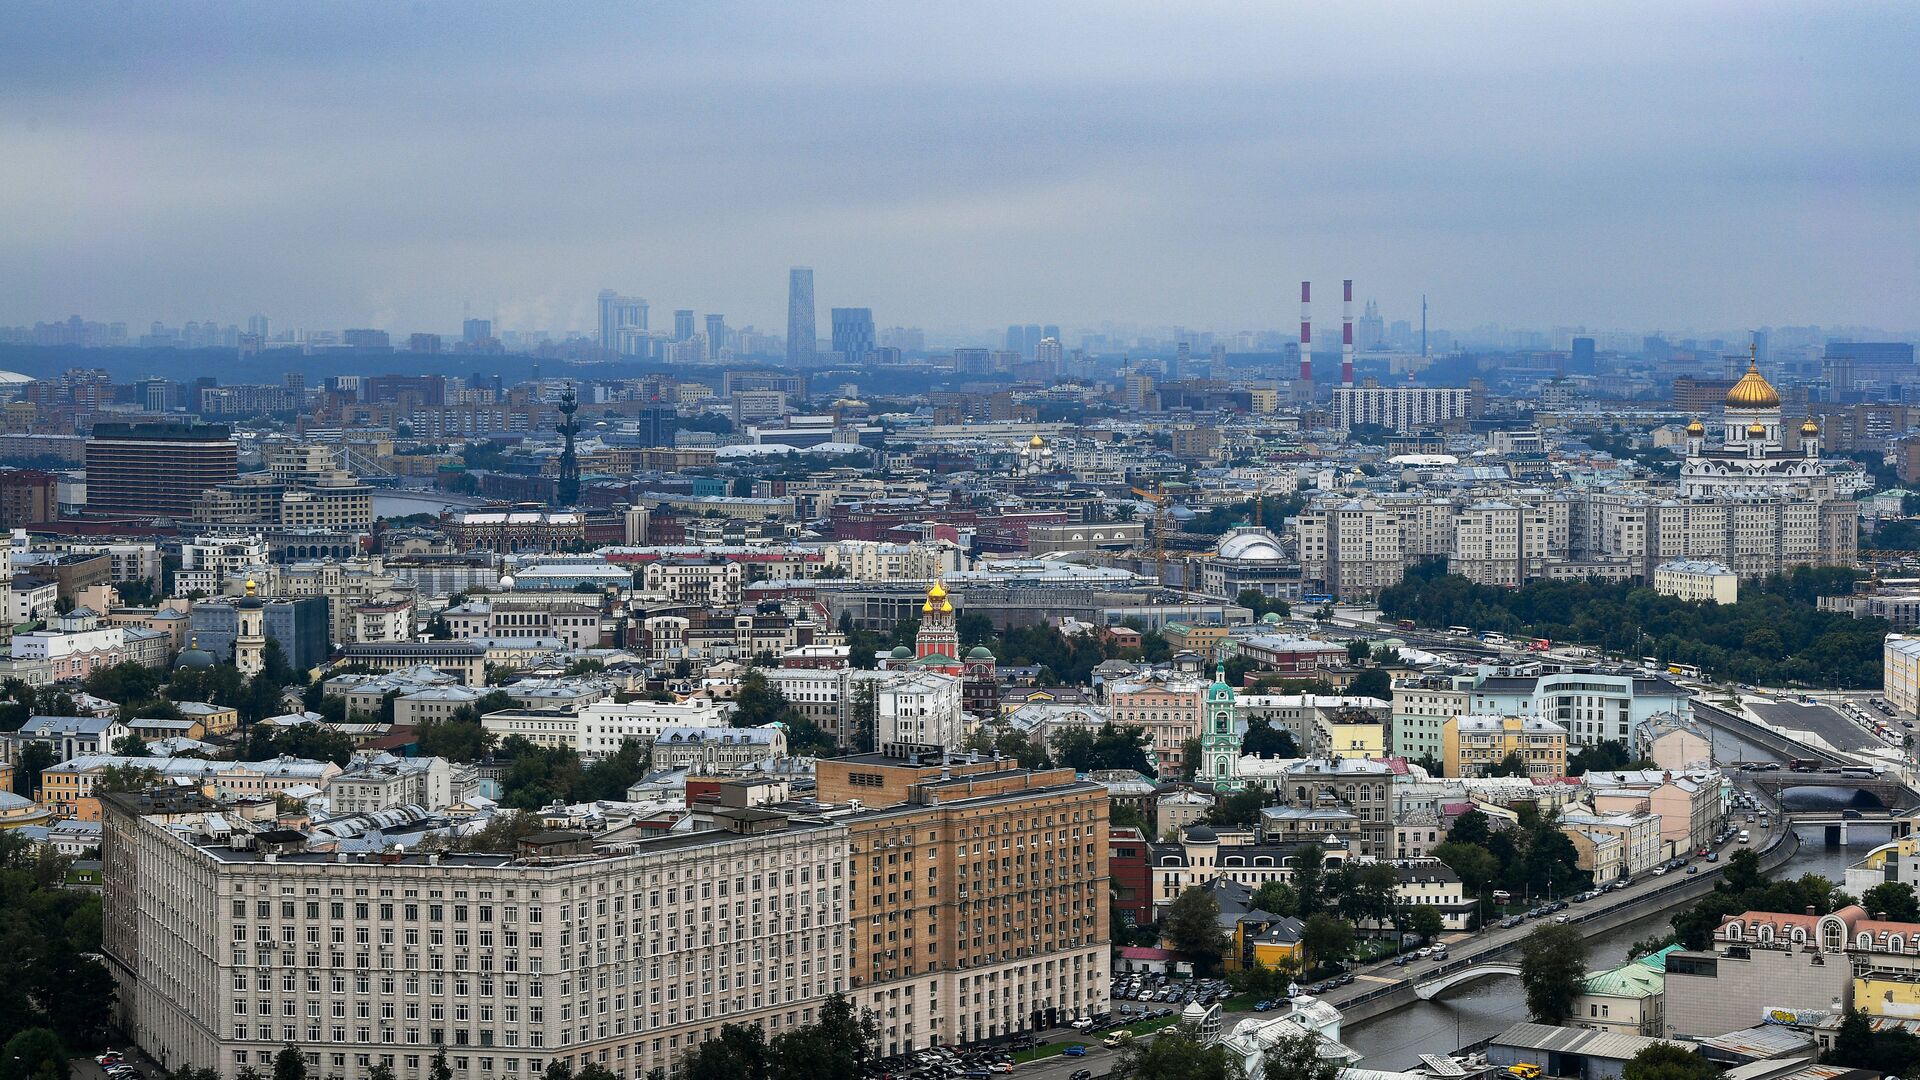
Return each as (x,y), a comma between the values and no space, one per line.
(1710,167)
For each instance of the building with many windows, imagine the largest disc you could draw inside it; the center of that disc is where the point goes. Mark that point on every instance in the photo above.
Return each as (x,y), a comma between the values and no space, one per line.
(1472,745)
(156,470)
(225,949)
(1402,409)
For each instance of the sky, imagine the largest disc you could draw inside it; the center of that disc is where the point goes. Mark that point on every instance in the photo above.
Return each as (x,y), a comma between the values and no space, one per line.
(1661,165)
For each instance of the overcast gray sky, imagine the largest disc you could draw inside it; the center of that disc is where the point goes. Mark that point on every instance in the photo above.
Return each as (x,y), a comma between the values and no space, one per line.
(1622,165)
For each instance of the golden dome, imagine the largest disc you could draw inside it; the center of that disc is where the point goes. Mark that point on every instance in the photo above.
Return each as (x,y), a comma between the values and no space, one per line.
(946,607)
(1037,442)
(1809,428)
(926,608)
(1756,430)
(1753,391)
(1696,428)
(938,591)
(252,586)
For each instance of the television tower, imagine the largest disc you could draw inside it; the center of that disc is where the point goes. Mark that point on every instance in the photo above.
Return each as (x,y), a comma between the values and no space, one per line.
(567,492)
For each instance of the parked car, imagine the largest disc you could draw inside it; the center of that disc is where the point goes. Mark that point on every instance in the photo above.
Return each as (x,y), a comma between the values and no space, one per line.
(1076,1050)
(1263,1006)
(1080,1074)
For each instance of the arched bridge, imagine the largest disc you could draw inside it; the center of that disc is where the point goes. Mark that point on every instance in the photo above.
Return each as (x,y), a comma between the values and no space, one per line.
(1434,987)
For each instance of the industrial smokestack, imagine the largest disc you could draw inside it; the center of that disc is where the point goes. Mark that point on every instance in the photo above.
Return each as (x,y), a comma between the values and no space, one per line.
(1306,332)
(1346,335)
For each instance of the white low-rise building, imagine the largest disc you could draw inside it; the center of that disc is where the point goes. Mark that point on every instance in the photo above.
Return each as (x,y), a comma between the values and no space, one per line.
(1700,580)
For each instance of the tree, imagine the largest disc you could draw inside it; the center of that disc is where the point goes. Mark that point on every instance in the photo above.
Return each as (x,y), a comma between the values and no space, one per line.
(1553,970)
(289,1064)
(1428,923)
(740,1052)
(1174,1054)
(843,1042)
(1892,900)
(33,1054)
(1240,810)
(1373,683)
(1277,898)
(1370,893)
(557,1070)
(380,1071)
(1192,928)
(437,1069)
(1264,740)
(1667,1061)
(1327,940)
(1298,1057)
(1358,650)
(1511,765)
(1189,758)
(1743,872)
(457,738)
(35,757)
(130,746)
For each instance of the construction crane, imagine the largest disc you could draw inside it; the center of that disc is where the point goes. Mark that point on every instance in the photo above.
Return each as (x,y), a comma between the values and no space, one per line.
(1159,500)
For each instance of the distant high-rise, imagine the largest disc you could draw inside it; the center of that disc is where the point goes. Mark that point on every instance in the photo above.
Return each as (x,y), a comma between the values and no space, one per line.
(1016,338)
(1029,340)
(1582,361)
(1048,353)
(682,324)
(257,324)
(475,330)
(619,313)
(853,332)
(1050,331)
(716,334)
(800,328)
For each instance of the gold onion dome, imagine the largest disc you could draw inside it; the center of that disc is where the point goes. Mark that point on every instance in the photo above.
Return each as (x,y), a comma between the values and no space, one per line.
(938,591)
(1756,430)
(1037,442)
(1696,428)
(1753,391)
(1809,428)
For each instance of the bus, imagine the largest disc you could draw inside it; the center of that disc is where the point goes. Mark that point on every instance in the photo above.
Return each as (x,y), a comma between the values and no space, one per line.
(1316,598)
(1685,671)
(1540,644)
(1492,638)
(1404,624)
(1652,662)
(1460,631)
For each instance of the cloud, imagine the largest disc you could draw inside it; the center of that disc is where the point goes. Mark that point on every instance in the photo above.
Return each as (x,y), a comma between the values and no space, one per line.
(1644,165)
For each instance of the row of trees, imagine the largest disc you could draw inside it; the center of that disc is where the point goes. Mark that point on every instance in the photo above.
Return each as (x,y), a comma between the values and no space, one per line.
(840,1044)
(1774,635)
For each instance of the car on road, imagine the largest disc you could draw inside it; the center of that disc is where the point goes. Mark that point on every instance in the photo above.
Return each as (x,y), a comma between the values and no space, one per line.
(1083,1023)
(1001,1067)
(1076,1050)
(1693,869)
(1114,1040)
(1263,1006)
(1080,1074)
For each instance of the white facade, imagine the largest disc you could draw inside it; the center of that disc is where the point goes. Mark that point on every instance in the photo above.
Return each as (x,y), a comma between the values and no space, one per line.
(921,711)
(1403,409)
(1900,673)
(1697,580)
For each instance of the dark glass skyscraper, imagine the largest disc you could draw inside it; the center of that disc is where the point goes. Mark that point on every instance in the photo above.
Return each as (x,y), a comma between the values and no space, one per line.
(853,332)
(800,328)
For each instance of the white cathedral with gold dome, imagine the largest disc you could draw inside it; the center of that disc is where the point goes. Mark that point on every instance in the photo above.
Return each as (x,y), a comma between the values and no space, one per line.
(1751,458)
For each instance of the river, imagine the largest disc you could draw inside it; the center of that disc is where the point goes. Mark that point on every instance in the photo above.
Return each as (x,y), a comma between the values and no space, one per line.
(1395,1040)
(401,502)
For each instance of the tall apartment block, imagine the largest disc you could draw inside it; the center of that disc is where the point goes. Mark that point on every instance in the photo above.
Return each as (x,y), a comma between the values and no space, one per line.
(156,469)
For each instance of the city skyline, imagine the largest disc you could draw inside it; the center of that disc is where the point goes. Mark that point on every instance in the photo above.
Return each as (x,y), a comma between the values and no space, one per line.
(1148,168)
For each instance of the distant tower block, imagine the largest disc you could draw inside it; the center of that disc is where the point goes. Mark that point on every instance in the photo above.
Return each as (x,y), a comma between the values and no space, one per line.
(1306,331)
(1346,334)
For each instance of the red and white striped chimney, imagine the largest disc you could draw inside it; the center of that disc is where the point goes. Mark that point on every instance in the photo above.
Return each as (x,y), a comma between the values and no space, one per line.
(1346,335)
(1306,332)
